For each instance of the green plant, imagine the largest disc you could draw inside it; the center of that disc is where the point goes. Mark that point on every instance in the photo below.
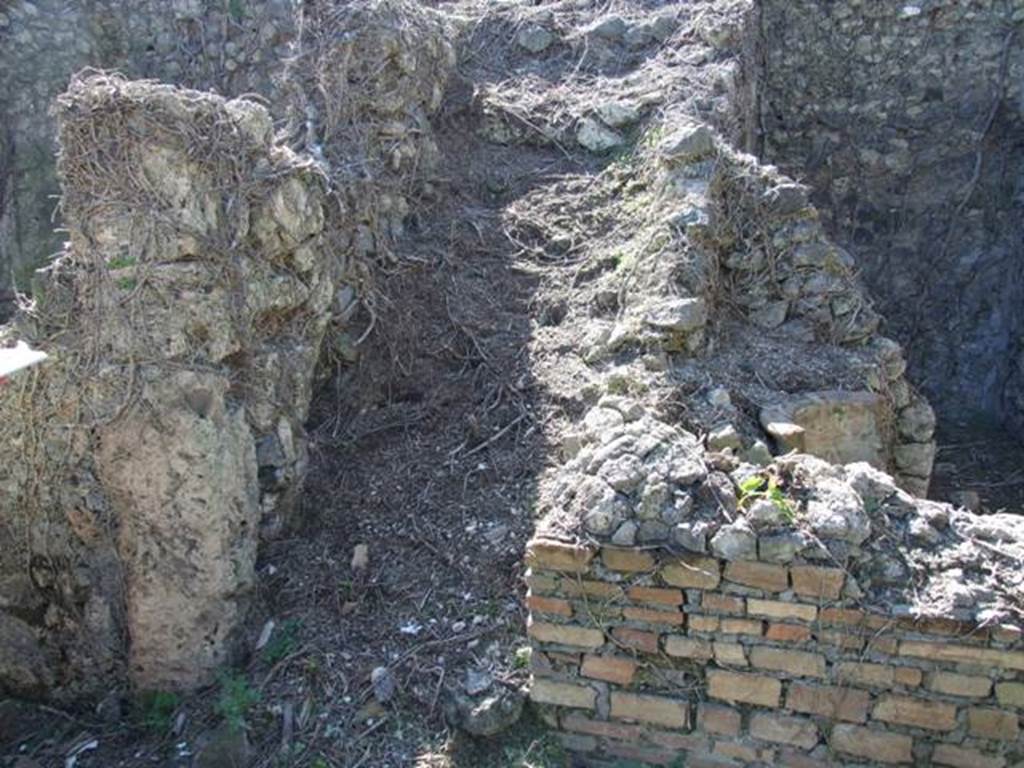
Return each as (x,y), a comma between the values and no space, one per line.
(127,283)
(522,657)
(121,262)
(157,710)
(237,9)
(236,699)
(761,487)
(283,643)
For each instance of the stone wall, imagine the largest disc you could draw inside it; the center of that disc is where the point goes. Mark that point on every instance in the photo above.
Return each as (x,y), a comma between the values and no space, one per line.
(231,46)
(907,119)
(822,618)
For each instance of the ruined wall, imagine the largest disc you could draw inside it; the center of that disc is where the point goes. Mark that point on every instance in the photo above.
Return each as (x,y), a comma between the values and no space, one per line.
(800,615)
(907,119)
(229,47)
(184,323)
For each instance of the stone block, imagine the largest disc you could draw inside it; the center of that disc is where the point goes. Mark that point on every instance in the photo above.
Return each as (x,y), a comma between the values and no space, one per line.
(752,627)
(698,623)
(646,642)
(713,602)
(730,654)
(1010,694)
(961,757)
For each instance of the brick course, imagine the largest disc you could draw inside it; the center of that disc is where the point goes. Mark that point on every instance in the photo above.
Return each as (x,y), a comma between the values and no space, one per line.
(671,662)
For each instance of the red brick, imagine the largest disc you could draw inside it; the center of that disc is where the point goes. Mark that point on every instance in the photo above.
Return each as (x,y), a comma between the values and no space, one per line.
(715,718)
(798,663)
(713,602)
(655,595)
(730,654)
(647,642)
(692,572)
(788,633)
(744,688)
(541,583)
(563,694)
(963,654)
(782,729)
(840,639)
(559,556)
(641,754)
(741,627)
(959,757)
(598,589)
(960,685)
(565,634)
(698,623)
(873,675)
(775,609)
(688,647)
(874,745)
(829,701)
(614,669)
(549,605)
(842,616)
(919,713)
(907,676)
(577,723)
(820,583)
(671,713)
(731,749)
(650,616)
(627,560)
(677,741)
(771,578)
(992,724)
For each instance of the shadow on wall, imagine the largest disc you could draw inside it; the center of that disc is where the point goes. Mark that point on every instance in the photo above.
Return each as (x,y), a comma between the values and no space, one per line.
(908,125)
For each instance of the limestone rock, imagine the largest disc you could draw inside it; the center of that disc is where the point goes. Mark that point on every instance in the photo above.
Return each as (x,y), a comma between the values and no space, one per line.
(841,427)
(534,38)
(735,541)
(618,114)
(485,715)
(687,144)
(916,423)
(724,437)
(24,668)
(836,512)
(596,137)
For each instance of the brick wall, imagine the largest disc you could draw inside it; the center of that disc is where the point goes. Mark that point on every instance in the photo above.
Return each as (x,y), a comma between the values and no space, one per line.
(665,659)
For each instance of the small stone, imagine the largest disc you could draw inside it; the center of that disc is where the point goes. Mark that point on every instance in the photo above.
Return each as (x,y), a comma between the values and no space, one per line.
(618,114)
(735,541)
(724,437)
(360,557)
(225,747)
(781,548)
(383,683)
(872,485)
(915,459)
(625,534)
(609,28)
(598,138)
(765,513)
(487,716)
(719,397)
(534,38)
(623,473)
(652,531)
(836,512)
(771,315)
(678,315)
(477,681)
(718,491)
(758,454)
(687,144)
(917,422)
(678,511)
(969,500)
(787,198)
(692,535)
